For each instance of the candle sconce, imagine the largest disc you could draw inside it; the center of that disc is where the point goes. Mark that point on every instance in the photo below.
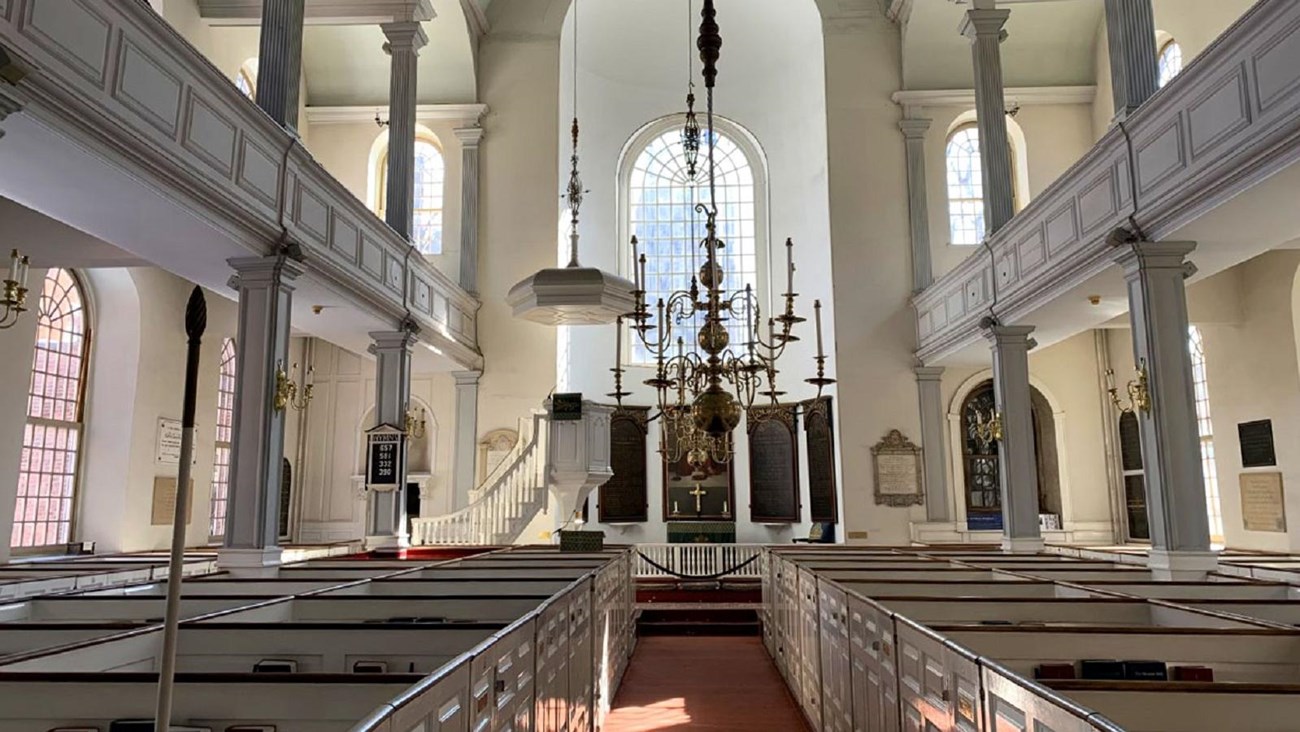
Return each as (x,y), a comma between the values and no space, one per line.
(286,389)
(415,427)
(988,429)
(1139,397)
(15,290)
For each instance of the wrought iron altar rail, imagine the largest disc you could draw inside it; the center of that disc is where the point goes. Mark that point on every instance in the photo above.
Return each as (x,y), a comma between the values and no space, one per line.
(699,561)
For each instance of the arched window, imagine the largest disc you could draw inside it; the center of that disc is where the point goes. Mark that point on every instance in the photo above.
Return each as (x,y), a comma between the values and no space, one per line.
(1201,390)
(660,211)
(221,458)
(981,466)
(965,186)
(47,478)
(1170,61)
(246,79)
(430,175)
(1135,490)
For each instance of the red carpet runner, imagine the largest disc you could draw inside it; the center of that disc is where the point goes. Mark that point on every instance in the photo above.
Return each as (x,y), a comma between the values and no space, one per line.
(703,683)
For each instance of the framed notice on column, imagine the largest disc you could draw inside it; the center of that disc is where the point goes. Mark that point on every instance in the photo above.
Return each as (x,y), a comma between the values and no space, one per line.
(385,453)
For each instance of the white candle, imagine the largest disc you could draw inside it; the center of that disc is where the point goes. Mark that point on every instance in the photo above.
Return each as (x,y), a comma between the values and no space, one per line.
(789,267)
(22,271)
(749,323)
(13,266)
(817,309)
(636,274)
(618,342)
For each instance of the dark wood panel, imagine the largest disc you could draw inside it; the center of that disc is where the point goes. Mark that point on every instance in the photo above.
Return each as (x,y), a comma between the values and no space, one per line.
(773,465)
(623,498)
(819,434)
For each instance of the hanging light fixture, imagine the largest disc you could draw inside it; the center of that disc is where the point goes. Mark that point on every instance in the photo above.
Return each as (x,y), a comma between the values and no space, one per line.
(690,130)
(704,391)
(572,295)
(14,297)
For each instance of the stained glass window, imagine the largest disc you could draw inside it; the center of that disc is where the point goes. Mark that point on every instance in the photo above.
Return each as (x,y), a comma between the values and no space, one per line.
(1170,63)
(430,176)
(47,477)
(221,458)
(980,458)
(662,197)
(1201,390)
(965,186)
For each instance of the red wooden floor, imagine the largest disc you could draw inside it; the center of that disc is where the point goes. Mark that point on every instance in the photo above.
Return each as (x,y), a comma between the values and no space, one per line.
(703,683)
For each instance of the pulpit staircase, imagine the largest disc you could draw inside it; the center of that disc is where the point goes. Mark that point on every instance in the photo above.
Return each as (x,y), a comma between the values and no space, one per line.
(503,505)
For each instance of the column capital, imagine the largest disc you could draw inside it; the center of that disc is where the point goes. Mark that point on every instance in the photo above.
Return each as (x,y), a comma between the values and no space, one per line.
(914,128)
(406,35)
(1008,334)
(1138,256)
(264,271)
(979,24)
(928,373)
(470,137)
(466,378)
(393,340)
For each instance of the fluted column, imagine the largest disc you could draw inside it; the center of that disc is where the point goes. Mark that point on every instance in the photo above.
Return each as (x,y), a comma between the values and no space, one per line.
(1171,443)
(265,286)
(470,139)
(918,207)
(984,28)
(386,510)
(465,456)
(279,60)
(929,389)
(1134,68)
(1017,466)
(405,39)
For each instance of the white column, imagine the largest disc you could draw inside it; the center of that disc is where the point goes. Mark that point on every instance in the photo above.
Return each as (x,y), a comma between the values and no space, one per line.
(1017,467)
(918,207)
(984,28)
(933,419)
(386,510)
(279,60)
(405,39)
(466,447)
(257,441)
(470,140)
(1171,444)
(1134,68)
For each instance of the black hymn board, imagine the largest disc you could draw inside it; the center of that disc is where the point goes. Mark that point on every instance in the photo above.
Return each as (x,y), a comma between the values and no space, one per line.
(623,496)
(773,465)
(821,460)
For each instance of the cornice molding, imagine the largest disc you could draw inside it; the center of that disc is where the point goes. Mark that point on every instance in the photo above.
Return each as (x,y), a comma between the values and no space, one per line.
(1024,96)
(320,12)
(468,114)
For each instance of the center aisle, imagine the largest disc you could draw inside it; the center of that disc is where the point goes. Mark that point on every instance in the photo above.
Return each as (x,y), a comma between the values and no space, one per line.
(703,683)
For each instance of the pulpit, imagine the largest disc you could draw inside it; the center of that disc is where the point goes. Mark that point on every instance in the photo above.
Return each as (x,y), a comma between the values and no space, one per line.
(578,458)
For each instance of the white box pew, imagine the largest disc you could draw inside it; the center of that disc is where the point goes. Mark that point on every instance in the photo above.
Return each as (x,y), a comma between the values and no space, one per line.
(1177,591)
(496,572)
(362,609)
(1016,703)
(390,564)
(1237,654)
(1086,576)
(18,639)
(527,587)
(1136,706)
(96,608)
(1282,612)
(228,588)
(949,589)
(300,574)
(821,566)
(953,574)
(293,703)
(1016,565)
(1055,612)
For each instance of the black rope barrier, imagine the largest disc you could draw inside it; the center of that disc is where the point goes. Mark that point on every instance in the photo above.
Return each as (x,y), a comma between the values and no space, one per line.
(715,575)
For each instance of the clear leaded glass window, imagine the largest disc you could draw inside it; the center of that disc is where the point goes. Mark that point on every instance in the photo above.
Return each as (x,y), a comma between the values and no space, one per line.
(661,200)
(1170,62)
(430,177)
(47,477)
(965,186)
(246,79)
(221,457)
(1200,387)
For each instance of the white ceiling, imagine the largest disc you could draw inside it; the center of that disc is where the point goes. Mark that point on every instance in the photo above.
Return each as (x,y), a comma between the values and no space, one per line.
(51,243)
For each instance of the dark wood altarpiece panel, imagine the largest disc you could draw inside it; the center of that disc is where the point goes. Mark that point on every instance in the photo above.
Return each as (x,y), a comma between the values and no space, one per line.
(774,465)
(623,498)
(818,432)
(717,499)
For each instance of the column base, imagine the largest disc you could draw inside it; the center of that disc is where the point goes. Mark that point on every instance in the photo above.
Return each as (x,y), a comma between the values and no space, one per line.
(1174,566)
(1022,545)
(250,562)
(387,541)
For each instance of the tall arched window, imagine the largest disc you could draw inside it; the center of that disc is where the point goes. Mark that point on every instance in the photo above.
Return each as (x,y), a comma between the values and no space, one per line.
(47,478)
(1201,390)
(965,186)
(246,79)
(430,176)
(221,458)
(1135,490)
(1170,62)
(660,211)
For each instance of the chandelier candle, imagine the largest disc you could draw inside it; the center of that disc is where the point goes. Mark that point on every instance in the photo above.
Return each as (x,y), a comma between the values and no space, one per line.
(817,316)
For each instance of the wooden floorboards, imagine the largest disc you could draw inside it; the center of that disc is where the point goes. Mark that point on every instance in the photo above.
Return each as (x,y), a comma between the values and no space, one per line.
(703,683)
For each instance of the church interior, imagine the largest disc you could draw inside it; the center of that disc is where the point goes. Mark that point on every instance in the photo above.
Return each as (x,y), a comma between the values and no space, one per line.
(636,365)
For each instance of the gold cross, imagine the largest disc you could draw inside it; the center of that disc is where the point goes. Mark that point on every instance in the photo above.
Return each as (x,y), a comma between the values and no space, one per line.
(698,493)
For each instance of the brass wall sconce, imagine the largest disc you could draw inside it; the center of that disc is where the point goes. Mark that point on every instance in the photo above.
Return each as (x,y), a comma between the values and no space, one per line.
(15,290)
(286,389)
(988,429)
(1139,397)
(415,427)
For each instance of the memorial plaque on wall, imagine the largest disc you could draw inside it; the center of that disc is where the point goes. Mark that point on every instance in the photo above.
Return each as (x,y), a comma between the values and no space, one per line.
(819,435)
(1263,506)
(897,464)
(623,498)
(1256,439)
(773,465)
(163,510)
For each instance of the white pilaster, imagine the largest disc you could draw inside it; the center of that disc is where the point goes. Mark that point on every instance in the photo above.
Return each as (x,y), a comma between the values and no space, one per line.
(465,454)
(918,207)
(1171,445)
(985,30)
(405,39)
(1017,466)
(279,60)
(470,140)
(257,436)
(933,417)
(1134,68)
(386,510)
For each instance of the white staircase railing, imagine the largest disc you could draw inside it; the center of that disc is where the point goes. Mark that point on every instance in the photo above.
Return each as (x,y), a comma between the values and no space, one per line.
(502,507)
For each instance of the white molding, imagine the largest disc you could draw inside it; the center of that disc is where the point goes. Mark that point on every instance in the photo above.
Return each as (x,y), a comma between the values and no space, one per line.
(319,12)
(456,113)
(1025,96)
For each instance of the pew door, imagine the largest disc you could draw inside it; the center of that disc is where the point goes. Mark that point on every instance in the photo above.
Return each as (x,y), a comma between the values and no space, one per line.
(836,665)
(580,658)
(552,675)
(965,691)
(502,694)
(875,675)
(923,691)
(810,681)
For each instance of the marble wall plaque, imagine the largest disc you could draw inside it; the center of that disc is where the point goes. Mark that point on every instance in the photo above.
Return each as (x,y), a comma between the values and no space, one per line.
(1263,504)
(897,465)
(164,501)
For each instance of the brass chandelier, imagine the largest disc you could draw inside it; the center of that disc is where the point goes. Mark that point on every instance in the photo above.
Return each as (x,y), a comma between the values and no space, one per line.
(704,389)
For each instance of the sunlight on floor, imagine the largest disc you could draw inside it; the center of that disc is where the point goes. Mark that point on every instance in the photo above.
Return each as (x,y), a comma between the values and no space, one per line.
(658,716)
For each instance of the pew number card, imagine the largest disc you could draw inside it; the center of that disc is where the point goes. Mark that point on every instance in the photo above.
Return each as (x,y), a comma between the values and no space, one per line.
(386,447)
(1263,505)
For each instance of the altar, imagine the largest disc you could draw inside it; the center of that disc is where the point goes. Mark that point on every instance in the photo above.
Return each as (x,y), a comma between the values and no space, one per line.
(701,532)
